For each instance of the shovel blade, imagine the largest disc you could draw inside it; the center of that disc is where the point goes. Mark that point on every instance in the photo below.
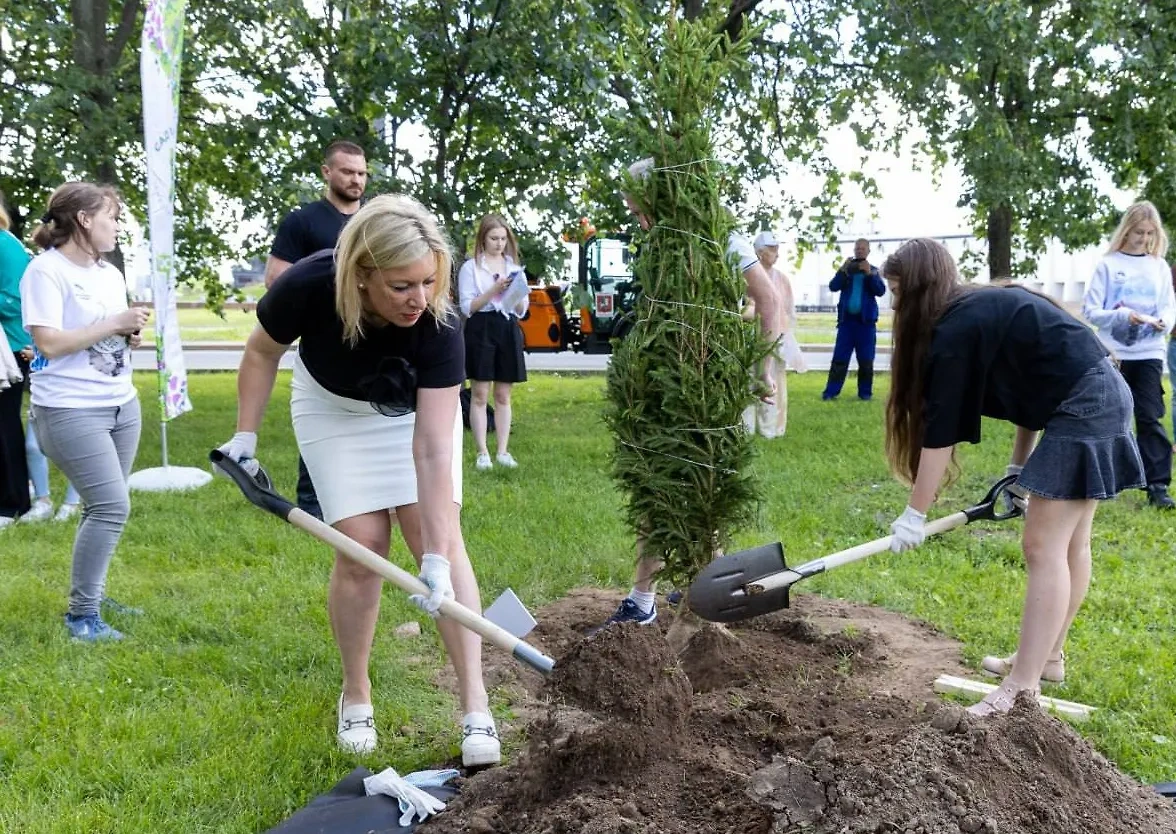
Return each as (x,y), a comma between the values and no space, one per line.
(717,593)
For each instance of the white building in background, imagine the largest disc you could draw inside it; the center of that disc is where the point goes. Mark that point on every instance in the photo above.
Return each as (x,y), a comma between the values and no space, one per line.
(1060,274)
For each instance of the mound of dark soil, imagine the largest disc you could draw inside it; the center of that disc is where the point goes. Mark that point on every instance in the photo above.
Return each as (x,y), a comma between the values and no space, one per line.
(819,719)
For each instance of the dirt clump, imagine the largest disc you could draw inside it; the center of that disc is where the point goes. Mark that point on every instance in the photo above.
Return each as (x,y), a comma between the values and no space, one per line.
(810,720)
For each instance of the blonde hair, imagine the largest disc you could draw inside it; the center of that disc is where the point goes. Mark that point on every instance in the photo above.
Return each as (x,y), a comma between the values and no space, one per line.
(5,220)
(1138,213)
(489,223)
(390,232)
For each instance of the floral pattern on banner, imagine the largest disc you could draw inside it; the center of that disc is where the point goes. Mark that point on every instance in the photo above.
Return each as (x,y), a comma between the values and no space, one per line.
(162,49)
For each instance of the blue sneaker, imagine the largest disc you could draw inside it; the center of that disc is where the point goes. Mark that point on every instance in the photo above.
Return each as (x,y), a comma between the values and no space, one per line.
(90,629)
(628,612)
(113,606)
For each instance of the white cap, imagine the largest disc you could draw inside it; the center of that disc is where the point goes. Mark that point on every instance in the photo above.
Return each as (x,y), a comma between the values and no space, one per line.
(764,240)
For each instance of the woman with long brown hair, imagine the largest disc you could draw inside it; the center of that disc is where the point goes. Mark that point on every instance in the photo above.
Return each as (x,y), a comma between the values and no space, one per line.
(493,339)
(964,353)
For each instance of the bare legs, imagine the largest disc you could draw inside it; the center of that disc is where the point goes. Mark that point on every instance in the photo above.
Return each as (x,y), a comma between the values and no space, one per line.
(1056,543)
(354,605)
(501,415)
(479,396)
(463,646)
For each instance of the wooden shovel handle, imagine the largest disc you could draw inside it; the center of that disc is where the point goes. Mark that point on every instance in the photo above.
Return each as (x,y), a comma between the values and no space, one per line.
(790,575)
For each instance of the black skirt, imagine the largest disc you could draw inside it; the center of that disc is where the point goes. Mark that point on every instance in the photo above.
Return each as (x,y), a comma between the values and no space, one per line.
(494,348)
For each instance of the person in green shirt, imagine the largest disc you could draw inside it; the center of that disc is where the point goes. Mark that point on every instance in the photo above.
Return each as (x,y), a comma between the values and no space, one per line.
(14,472)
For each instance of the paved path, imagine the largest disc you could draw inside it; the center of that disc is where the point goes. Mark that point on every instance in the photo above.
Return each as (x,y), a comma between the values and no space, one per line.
(227,357)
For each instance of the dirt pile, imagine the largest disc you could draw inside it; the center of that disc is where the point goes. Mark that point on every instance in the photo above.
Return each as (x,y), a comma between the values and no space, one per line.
(806,721)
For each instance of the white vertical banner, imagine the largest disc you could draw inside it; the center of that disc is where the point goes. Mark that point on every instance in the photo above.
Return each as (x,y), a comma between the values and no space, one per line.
(163,42)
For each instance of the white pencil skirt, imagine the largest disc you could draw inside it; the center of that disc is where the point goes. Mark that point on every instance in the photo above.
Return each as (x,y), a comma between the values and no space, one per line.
(360,460)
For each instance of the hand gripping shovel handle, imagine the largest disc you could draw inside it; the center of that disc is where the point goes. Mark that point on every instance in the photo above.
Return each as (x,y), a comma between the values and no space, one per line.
(753,582)
(260,492)
(986,510)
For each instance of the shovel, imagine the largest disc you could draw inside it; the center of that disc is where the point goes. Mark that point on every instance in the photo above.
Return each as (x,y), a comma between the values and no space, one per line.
(260,492)
(754,582)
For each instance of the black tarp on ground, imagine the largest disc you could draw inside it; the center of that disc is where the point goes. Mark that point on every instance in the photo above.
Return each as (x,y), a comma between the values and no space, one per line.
(346,809)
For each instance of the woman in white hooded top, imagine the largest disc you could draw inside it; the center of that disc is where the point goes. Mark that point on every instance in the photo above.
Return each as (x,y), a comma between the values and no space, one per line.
(1131,302)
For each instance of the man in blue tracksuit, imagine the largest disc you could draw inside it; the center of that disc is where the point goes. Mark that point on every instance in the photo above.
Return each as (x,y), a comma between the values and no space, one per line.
(860,285)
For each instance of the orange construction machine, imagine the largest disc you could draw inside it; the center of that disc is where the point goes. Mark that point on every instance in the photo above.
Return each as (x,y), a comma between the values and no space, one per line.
(602,298)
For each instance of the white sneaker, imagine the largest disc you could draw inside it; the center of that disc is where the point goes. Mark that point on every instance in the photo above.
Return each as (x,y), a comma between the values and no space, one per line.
(507,459)
(357,727)
(483,463)
(42,510)
(66,511)
(479,741)
(6,521)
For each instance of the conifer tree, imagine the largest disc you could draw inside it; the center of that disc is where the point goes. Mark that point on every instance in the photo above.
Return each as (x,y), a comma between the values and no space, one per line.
(681,379)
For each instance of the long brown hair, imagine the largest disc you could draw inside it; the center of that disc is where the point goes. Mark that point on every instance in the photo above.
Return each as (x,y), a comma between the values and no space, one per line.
(925,281)
(59,224)
(489,223)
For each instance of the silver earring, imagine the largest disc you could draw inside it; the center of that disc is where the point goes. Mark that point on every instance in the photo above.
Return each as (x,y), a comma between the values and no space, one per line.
(361,286)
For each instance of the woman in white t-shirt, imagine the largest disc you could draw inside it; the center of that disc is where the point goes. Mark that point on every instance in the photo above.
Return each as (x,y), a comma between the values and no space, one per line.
(74,304)
(492,291)
(1131,302)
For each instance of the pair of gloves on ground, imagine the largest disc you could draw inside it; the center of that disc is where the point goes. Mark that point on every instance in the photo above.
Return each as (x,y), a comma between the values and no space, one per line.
(909,529)
(407,791)
(242,449)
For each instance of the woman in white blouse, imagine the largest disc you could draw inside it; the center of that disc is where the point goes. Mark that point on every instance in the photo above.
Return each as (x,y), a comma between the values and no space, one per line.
(492,291)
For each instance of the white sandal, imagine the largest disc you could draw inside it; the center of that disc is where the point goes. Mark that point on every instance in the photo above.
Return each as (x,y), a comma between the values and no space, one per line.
(480,746)
(999,701)
(1002,667)
(357,727)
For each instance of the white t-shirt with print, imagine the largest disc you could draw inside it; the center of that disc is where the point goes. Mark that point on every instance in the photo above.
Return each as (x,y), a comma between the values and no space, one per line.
(55,292)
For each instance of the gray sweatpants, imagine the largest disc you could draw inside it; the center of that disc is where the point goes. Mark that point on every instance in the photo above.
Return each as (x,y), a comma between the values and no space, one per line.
(95,448)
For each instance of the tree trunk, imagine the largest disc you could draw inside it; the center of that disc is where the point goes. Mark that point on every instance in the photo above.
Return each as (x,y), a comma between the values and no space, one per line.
(95,55)
(1000,242)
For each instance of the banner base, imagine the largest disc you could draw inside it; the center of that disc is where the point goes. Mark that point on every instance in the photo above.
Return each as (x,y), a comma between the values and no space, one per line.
(165,478)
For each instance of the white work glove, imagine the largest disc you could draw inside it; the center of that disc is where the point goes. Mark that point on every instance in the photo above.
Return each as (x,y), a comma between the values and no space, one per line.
(435,574)
(1017,494)
(413,801)
(907,531)
(242,449)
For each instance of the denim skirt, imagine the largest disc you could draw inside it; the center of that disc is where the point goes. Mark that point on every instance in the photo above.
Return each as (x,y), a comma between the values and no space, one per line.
(1087,449)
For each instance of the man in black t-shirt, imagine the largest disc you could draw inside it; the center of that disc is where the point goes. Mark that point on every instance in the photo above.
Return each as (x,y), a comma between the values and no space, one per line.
(315,226)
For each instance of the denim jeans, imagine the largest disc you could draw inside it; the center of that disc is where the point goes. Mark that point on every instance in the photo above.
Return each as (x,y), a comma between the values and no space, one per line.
(95,448)
(39,467)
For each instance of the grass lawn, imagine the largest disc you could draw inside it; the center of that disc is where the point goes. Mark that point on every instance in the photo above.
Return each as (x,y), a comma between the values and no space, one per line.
(200,325)
(217,713)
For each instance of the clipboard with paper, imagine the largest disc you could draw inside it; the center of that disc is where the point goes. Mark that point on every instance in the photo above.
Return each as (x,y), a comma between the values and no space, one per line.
(517,291)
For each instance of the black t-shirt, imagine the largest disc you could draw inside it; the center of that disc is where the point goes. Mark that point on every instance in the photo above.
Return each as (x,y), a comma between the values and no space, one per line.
(1006,353)
(307,229)
(387,364)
